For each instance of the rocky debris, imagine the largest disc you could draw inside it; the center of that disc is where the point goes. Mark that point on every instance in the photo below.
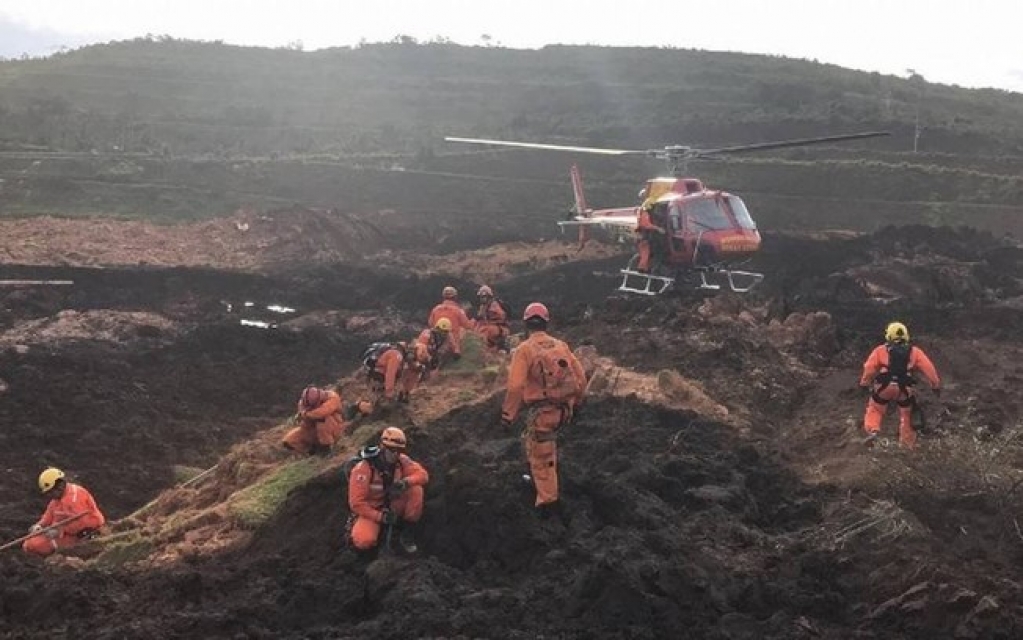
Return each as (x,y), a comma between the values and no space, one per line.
(121,327)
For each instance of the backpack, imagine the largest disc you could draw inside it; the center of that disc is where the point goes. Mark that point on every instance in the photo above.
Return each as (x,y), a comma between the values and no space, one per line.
(373,352)
(898,365)
(366,453)
(553,369)
(504,307)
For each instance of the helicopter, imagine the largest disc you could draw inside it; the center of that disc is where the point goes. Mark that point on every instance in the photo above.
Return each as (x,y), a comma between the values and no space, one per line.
(680,224)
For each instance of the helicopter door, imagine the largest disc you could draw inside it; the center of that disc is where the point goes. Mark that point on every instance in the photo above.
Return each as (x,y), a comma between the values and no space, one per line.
(676,230)
(659,218)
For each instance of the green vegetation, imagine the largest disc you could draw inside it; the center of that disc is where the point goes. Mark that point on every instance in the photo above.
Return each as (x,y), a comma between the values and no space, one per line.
(184,474)
(256,504)
(472,355)
(116,554)
(173,130)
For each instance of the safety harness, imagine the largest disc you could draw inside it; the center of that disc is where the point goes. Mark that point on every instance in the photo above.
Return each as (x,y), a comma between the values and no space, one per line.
(896,372)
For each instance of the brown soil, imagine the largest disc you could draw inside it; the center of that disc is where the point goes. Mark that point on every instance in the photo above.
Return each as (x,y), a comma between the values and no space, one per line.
(716,486)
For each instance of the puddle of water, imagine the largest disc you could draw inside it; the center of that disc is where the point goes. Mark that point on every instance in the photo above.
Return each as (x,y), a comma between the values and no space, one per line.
(259,324)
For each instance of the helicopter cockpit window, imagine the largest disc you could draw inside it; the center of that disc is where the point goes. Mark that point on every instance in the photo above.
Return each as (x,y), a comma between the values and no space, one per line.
(707,214)
(742,215)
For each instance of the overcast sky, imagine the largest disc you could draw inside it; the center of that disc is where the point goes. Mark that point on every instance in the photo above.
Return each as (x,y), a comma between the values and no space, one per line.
(974,43)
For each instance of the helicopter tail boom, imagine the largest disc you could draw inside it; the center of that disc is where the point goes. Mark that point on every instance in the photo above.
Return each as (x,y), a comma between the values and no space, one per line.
(580,204)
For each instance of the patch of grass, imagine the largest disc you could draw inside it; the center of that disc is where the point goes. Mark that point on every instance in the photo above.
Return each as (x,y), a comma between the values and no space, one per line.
(129,549)
(184,474)
(490,374)
(472,354)
(255,505)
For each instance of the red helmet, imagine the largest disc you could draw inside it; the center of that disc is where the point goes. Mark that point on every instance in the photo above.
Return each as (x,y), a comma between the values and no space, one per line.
(536,310)
(313,397)
(393,438)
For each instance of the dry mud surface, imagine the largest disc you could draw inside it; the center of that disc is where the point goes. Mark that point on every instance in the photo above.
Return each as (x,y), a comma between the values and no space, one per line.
(757,513)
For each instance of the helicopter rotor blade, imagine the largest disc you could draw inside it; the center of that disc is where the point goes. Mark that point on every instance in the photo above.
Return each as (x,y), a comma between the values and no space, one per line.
(549,147)
(782,144)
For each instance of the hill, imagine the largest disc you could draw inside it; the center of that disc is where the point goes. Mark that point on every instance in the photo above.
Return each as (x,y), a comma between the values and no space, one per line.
(171,130)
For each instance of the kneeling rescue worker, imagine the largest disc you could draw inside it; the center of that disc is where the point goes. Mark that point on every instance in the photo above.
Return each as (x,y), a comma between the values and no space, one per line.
(888,375)
(386,489)
(68,501)
(546,377)
(320,422)
(395,369)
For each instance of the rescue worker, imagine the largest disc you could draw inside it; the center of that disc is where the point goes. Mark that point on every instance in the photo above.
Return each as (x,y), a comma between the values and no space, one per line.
(427,349)
(888,376)
(492,320)
(67,500)
(450,309)
(397,368)
(549,380)
(386,489)
(647,235)
(320,422)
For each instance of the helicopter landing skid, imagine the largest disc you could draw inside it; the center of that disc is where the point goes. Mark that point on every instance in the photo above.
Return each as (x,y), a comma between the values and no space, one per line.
(749,278)
(644,283)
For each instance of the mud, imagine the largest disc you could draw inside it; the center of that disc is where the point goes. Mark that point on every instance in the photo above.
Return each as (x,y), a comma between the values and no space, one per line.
(773,522)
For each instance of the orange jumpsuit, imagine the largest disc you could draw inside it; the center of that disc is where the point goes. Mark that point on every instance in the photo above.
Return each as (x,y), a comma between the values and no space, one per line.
(492,324)
(76,500)
(367,497)
(456,314)
(881,394)
(646,232)
(545,414)
(321,426)
(398,373)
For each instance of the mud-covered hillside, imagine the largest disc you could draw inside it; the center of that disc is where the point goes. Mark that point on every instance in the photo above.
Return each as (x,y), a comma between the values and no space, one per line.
(716,483)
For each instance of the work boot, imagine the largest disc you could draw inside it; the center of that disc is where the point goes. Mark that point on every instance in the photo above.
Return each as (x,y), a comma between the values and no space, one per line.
(322,450)
(407,539)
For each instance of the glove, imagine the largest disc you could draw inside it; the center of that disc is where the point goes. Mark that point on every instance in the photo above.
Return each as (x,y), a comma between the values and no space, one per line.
(937,392)
(52,534)
(388,517)
(399,486)
(36,528)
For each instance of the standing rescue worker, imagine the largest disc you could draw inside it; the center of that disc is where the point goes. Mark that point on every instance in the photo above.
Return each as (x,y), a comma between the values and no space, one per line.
(492,320)
(67,500)
(386,489)
(455,314)
(888,375)
(546,377)
(320,422)
(647,233)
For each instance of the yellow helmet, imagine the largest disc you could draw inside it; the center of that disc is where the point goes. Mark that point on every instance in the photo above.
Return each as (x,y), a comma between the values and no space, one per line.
(48,479)
(443,325)
(393,438)
(896,332)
